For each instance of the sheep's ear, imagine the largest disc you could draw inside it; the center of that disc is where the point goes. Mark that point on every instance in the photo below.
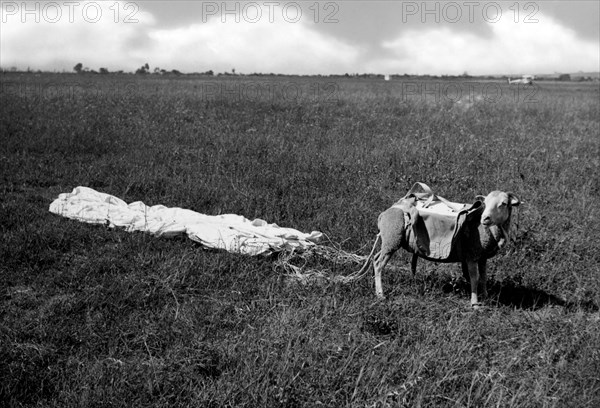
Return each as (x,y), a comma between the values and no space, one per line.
(514,200)
(480,197)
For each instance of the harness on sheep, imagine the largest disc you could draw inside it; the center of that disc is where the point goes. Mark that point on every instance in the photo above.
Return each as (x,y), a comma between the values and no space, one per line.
(433,224)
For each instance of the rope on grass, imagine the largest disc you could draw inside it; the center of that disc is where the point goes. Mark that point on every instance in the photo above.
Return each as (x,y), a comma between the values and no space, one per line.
(294,263)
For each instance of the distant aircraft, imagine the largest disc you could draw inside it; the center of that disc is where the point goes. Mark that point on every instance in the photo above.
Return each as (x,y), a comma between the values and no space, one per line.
(525,79)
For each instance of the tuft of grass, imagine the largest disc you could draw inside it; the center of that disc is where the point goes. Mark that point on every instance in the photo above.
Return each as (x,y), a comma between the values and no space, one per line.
(92,316)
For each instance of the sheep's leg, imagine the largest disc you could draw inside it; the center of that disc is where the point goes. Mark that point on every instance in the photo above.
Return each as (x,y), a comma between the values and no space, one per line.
(482,277)
(378,264)
(413,265)
(465,271)
(474,276)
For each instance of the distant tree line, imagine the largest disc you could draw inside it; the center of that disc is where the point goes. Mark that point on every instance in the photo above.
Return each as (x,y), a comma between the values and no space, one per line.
(143,70)
(79,68)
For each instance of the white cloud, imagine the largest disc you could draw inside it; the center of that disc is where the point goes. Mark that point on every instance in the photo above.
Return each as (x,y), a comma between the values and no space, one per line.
(513,48)
(88,35)
(248,47)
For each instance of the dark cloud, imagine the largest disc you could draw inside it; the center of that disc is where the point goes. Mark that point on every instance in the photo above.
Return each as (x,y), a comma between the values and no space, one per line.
(175,13)
(371,22)
(581,16)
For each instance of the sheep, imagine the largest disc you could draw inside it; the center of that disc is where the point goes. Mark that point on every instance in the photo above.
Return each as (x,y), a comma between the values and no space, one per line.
(478,240)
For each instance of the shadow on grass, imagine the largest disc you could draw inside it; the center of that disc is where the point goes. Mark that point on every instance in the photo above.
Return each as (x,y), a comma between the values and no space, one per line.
(509,294)
(521,297)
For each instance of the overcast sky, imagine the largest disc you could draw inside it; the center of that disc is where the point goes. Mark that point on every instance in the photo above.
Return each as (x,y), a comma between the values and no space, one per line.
(304,37)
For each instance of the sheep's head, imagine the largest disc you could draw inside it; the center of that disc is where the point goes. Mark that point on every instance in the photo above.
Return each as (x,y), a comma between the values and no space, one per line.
(498,205)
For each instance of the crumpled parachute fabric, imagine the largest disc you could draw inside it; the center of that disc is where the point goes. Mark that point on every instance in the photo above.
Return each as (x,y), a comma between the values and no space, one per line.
(230,232)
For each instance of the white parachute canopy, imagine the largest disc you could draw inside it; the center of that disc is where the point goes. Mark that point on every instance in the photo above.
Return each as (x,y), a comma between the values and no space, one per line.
(230,232)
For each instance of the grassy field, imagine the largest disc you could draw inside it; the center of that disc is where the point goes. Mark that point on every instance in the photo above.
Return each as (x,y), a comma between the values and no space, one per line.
(94,317)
